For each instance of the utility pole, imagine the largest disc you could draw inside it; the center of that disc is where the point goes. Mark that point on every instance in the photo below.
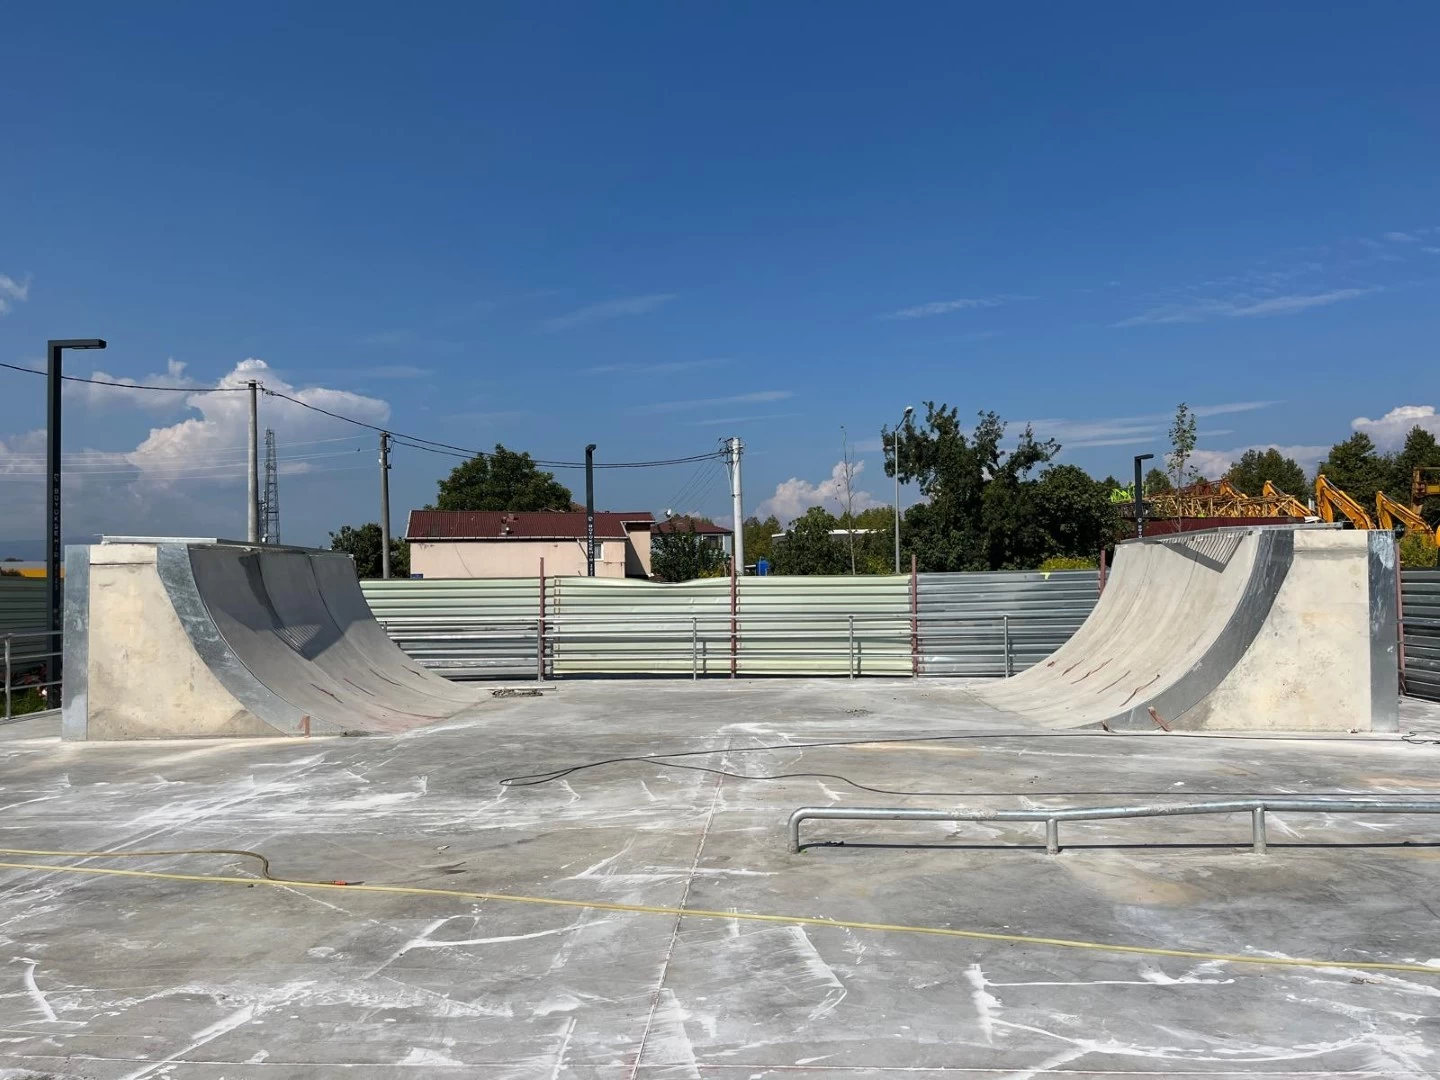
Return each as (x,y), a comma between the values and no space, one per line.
(895,440)
(53,556)
(734,448)
(590,510)
(385,504)
(252,502)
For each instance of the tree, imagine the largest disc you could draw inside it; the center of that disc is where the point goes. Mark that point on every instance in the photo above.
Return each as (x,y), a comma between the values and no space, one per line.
(1182,443)
(1074,513)
(503,480)
(684,555)
(760,538)
(847,493)
(1157,483)
(363,543)
(810,546)
(1249,474)
(1357,468)
(978,512)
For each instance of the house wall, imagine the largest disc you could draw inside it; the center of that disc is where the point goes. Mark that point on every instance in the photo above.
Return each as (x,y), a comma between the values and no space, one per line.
(637,553)
(516,558)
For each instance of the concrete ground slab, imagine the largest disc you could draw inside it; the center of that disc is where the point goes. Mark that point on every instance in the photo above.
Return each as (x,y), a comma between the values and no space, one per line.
(121,977)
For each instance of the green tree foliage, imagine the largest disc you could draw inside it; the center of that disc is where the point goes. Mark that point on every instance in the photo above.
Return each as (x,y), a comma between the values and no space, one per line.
(503,480)
(1182,444)
(1074,513)
(684,555)
(1420,450)
(1249,474)
(810,546)
(984,510)
(1358,469)
(363,543)
(1157,483)
(1417,551)
(1070,562)
(760,538)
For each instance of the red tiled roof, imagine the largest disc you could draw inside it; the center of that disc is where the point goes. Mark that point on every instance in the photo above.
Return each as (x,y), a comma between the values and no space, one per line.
(520,524)
(682,525)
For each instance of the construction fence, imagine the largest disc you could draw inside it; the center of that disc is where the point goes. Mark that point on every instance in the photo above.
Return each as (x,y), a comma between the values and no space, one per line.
(984,624)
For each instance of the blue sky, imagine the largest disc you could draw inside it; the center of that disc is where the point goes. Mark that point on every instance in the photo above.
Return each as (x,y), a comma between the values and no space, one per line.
(653,226)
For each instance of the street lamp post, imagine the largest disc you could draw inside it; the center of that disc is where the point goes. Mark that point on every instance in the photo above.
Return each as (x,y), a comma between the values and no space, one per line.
(1140,459)
(895,441)
(53,554)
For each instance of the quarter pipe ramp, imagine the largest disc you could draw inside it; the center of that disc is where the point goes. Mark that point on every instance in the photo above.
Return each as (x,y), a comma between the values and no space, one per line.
(181,638)
(1277,628)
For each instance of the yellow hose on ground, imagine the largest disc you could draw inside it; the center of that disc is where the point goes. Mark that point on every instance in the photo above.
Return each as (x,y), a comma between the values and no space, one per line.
(689,913)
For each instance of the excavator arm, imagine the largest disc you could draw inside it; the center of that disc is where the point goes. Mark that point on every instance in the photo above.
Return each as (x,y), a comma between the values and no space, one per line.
(1329,499)
(1388,511)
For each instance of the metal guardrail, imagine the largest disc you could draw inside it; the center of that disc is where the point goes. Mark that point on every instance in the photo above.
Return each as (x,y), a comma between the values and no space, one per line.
(1420,633)
(1256,808)
(27,661)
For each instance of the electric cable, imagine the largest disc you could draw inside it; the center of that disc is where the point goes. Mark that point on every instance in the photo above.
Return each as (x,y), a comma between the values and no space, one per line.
(134,386)
(538,778)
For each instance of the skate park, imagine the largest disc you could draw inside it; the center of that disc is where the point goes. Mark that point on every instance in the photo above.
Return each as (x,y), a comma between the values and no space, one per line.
(592,876)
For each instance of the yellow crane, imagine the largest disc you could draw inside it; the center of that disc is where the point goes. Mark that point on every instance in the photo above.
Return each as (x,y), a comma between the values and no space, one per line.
(1329,499)
(1388,511)
(1424,482)
(1284,505)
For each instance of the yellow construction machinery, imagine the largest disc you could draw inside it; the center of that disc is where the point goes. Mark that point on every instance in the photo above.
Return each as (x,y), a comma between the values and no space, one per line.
(1424,484)
(1388,511)
(1329,500)
(1285,505)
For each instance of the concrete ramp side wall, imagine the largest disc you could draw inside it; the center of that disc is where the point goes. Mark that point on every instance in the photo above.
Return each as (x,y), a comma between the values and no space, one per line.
(1309,667)
(132,672)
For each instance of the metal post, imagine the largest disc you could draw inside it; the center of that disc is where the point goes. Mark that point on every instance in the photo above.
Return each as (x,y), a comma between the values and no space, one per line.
(1400,620)
(737,497)
(540,650)
(895,447)
(1257,827)
(7,677)
(54,558)
(914,617)
(1103,572)
(590,510)
(541,624)
(385,505)
(851,654)
(1005,630)
(734,621)
(1140,494)
(1052,836)
(252,502)
(694,647)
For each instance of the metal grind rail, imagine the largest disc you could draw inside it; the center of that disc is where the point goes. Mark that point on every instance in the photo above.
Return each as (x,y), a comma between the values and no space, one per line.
(1052,817)
(27,660)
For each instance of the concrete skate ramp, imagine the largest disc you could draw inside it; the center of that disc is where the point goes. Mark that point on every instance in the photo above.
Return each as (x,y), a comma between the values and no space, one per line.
(1247,628)
(233,640)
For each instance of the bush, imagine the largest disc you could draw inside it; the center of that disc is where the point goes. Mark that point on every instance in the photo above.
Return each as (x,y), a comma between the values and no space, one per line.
(1070,562)
(1416,551)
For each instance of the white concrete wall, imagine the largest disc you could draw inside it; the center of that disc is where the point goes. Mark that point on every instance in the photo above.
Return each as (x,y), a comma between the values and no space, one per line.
(514,558)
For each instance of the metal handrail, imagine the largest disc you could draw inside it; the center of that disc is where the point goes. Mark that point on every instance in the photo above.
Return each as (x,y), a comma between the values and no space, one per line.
(1052,816)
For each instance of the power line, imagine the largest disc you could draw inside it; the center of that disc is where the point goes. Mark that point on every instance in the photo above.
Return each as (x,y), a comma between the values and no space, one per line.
(417,442)
(133,386)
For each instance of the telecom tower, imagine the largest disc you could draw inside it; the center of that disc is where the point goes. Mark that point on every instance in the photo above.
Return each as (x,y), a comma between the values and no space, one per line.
(270,501)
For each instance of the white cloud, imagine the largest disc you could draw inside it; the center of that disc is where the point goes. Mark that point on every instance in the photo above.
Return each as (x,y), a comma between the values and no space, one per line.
(609,309)
(794,496)
(95,396)
(1400,237)
(11,290)
(1389,431)
(752,398)
(1130,430)
(944,307)
(1430,250)
(1244,307)
(746,419)
(669,368)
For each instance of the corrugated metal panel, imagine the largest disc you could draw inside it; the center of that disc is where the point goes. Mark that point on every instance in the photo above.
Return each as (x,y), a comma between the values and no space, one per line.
(615,626)
(1420,607)
(24,611)
(962,618)
(802,625)
(463,628)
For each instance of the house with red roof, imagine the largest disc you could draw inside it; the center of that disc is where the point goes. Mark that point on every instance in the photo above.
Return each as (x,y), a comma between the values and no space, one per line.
(511,543)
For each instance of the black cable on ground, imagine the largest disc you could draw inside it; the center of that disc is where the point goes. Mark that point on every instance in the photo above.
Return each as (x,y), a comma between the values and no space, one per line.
(539,778)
